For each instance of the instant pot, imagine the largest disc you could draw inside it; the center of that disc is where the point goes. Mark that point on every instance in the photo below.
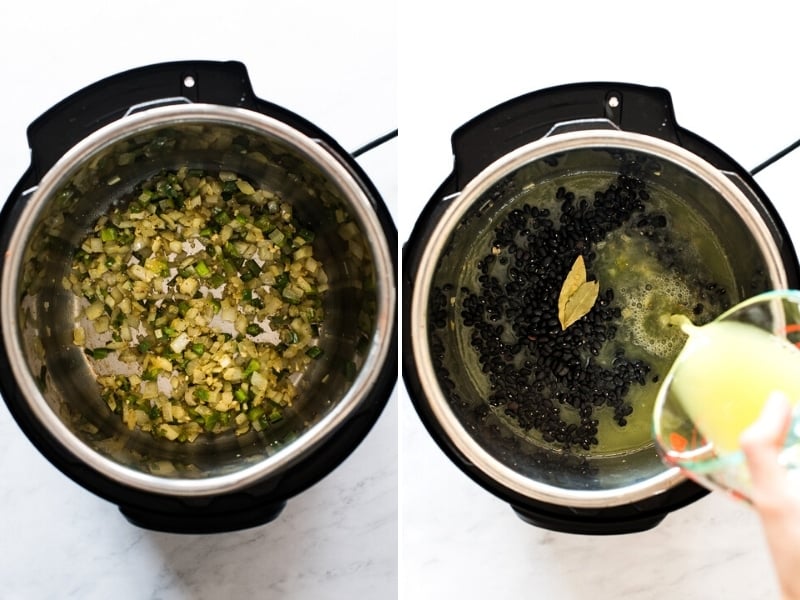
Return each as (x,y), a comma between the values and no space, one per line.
(547,143)
(87,153)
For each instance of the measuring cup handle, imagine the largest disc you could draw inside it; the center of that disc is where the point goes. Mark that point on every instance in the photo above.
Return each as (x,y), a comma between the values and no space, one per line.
(89,109)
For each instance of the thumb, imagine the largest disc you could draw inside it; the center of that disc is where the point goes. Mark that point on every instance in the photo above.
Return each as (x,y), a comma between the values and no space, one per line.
(762,443)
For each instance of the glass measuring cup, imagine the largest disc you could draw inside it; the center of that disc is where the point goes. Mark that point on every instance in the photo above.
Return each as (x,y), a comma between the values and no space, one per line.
(719,384)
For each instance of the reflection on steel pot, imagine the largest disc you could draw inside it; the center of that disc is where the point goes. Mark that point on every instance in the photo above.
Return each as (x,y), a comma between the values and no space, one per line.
(89,154)
(538,286)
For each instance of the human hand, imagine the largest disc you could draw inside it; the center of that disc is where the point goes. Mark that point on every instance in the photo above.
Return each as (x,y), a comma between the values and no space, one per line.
(774,496)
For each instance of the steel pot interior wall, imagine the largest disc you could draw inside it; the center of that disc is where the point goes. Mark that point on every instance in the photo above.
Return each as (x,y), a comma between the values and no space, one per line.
(452,378)
(54,374)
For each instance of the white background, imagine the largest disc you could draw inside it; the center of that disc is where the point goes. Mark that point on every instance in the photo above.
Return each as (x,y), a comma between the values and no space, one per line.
(731,70)
(338,540)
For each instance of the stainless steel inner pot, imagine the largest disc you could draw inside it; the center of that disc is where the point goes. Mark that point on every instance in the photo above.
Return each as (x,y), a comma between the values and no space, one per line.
(55,377)
(449,375)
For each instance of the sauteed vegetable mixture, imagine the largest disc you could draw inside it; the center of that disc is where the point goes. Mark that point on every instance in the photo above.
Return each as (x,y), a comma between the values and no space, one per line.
(201,301)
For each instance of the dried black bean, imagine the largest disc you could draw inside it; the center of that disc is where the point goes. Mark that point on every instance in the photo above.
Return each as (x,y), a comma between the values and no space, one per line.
(545,378)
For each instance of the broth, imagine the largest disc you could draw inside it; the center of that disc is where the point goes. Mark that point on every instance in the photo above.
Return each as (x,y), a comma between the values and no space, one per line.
(589,388)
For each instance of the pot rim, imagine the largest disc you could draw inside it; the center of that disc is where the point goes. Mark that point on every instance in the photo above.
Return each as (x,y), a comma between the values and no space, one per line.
(432,246)
(361,206)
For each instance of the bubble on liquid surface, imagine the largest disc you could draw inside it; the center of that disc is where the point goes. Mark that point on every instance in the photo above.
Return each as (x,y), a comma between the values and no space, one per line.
(649,311)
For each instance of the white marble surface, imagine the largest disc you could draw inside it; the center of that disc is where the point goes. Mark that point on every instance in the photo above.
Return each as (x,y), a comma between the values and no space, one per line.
(727,68)
(337,540)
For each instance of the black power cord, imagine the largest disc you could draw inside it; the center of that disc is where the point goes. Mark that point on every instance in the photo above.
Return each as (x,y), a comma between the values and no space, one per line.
(775,157)
(374,144)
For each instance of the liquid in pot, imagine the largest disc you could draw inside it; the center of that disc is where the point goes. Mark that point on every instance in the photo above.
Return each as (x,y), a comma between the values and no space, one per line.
(586,390)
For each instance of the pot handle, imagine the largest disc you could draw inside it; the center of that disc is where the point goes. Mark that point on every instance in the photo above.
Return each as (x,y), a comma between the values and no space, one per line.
(498,131)
(89,109)
(248,515)
(627,518)
(589,526)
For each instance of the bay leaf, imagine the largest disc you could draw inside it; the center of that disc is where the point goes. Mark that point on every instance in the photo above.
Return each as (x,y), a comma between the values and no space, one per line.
(575,278)
(577,296)
(580,303)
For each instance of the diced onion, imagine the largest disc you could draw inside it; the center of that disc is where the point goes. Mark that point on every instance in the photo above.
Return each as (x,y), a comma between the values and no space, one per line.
(181,281)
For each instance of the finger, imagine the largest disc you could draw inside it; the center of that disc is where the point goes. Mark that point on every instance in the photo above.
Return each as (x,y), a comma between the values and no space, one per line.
(762,443)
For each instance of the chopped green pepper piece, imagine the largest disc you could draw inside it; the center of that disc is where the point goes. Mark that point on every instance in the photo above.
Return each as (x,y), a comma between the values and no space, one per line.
(229,187)
(108,234)
(210,420)
(216,280)
(289,336)
(264,223)
(253,329)
(281,281)
(251,368)
(315,352)
(222,218)
(254,413)
(202,269)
